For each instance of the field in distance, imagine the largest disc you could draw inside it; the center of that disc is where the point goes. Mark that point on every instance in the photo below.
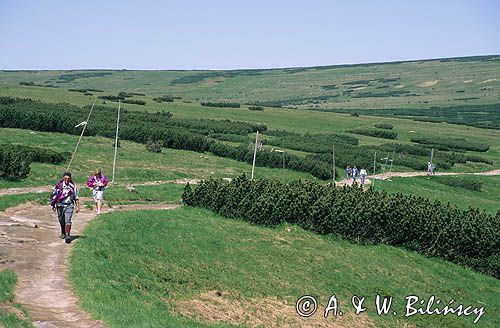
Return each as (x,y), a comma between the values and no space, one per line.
(412,84)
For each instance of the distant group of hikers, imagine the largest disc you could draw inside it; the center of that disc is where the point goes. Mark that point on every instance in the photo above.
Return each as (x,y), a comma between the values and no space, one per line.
(354,172)
(64,199)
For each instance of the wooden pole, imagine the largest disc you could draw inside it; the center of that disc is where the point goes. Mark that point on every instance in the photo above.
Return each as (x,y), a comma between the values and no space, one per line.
(283,158)
(255,153)
(116,142)
(81,135)
(333,164)
(386,159)
(374,168)
(392,161)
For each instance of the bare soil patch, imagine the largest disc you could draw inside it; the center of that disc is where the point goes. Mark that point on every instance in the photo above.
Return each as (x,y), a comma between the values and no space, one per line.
(234,309)
(428,83)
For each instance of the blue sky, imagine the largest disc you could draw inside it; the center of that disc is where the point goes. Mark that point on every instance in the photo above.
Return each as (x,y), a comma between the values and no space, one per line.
(240,34)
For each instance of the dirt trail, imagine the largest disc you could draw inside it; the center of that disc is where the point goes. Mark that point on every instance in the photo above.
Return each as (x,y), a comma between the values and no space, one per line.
(15,191)
(47,189)
(388,175)
(381,176)
(29,245)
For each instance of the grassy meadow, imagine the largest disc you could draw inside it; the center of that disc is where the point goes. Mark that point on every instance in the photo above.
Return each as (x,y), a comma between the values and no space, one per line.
(420,84)
(134,164)
(487,198)
(7,201)
(300,121)
(192,268)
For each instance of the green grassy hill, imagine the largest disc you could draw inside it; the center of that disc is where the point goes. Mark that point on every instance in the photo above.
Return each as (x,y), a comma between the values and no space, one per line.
(191,268)
(433,82)
(413,85)
(136,164)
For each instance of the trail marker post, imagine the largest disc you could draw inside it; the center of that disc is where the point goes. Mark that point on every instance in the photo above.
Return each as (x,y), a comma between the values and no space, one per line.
(255,153)
(81,135)
(116,142)
(333,164)
(392,161)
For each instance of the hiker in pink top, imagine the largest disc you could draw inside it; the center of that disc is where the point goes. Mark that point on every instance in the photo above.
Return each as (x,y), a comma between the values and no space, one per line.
(64,200)
(98,183)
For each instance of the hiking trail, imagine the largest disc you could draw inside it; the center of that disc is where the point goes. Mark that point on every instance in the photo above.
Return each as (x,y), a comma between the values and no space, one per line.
(388,175)
(30,245)
(48,188)
(380,176)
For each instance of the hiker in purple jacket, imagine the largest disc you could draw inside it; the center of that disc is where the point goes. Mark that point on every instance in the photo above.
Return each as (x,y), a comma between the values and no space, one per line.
(64,200)
(98,182)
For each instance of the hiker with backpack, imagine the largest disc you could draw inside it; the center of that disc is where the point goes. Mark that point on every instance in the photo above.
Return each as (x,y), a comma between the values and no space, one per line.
(348,172)
(354,173)
(98,182)
(64,200)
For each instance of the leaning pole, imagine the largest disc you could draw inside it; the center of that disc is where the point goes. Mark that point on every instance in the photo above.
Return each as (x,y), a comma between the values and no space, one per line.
(255,153)
(116,141)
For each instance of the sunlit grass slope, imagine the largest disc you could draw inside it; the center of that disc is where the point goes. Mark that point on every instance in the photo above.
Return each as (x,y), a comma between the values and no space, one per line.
(488,198)
(134,164)
(415,84)
(179,267)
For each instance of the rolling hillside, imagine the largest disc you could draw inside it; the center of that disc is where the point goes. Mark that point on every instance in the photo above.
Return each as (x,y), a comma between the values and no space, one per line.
(442,83)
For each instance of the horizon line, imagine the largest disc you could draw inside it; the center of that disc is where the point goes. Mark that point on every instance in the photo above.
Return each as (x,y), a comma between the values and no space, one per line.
(261,69)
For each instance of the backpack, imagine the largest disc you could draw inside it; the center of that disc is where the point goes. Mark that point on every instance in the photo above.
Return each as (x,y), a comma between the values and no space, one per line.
(57,194)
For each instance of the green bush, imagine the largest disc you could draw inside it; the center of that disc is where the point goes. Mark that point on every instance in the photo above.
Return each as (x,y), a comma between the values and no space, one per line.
(453,143)
(85,90)
(404,149)
(268,158)
(43,155)
(481,116)
(39,116)
(130,94)
(345,155)
(478,159)
(470,237)
(256,108)
(15,160)
(378,133)
(394,93)
(312,143)
(14,163)
(385,126)
(112,98)
(231,137)
(282,133)
(134,102)
(164,99)
(154,146)
(221,104)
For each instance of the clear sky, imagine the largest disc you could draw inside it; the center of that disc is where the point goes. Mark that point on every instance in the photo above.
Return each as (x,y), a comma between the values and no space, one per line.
(233,34)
